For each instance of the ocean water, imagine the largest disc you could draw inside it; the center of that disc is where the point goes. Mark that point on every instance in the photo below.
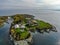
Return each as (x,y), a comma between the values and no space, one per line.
(52,17)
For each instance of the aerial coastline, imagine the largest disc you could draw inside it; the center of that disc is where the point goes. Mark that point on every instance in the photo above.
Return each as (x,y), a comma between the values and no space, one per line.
(23,24)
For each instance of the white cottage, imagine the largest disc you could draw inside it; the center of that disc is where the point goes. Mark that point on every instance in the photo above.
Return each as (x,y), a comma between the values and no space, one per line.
(22,28)
(16,26)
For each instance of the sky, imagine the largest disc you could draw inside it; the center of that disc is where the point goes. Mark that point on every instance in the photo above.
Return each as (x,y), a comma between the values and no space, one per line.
(29,4)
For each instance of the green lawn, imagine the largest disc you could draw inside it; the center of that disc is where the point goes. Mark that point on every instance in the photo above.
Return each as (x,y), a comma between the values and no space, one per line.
(23,35)
(42,24)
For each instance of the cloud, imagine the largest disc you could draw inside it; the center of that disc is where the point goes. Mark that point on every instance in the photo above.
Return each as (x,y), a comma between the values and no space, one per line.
(24,4)
(52,2)
(17,4)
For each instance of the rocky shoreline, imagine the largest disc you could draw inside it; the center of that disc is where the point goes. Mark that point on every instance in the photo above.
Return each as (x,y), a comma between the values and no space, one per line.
(27,41)
(22,25)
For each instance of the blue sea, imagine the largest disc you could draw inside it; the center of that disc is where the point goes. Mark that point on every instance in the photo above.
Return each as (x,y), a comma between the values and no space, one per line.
(50,16)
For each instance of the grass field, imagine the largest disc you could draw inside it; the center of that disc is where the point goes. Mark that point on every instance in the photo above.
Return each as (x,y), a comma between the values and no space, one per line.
(43,25)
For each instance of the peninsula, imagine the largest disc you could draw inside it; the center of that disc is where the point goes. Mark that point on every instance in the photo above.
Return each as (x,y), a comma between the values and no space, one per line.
(22,26)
